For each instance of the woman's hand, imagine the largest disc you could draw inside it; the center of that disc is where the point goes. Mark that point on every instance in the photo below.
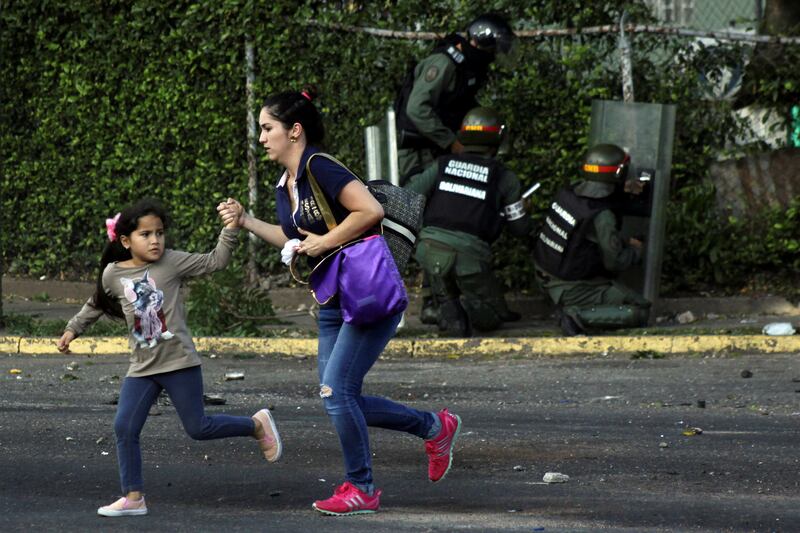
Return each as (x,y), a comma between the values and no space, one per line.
(313,245)
(63,342)
(232,213)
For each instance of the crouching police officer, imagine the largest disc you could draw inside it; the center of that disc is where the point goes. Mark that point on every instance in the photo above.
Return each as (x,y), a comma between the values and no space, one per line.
(470,197)
(440,89)
(580,249)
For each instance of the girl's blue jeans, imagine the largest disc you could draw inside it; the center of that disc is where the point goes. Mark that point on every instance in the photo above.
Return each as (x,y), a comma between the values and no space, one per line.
(346,353)
(185,389)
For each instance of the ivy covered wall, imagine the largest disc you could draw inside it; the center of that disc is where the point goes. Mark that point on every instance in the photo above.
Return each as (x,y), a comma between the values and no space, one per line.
(106,102)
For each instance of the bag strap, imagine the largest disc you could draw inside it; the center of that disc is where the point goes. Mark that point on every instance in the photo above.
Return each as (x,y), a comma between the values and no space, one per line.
(319,197)
(327,215)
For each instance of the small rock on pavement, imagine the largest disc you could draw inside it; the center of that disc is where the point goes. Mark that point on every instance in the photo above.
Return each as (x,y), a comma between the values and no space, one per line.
(555,477)
(213,399)
(686,317)
(746,374)
(663,445)
(519,468)
(231,376)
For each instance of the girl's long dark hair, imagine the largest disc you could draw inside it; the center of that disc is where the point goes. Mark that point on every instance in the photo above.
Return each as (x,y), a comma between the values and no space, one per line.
(114,251)
(296,107)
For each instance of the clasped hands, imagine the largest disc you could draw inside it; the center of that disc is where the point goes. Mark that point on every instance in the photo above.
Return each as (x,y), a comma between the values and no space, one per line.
(234,215)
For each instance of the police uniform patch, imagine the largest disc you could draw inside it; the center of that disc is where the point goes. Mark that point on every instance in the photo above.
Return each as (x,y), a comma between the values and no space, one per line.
(431,73)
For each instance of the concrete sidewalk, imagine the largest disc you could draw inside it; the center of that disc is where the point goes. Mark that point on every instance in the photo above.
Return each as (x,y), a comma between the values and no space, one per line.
(717,326)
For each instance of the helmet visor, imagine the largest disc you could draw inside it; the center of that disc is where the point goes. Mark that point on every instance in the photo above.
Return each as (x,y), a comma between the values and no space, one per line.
(507,51)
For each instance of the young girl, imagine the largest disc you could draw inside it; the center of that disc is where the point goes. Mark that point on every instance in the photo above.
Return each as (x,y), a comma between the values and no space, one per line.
(291,126)
(139,280)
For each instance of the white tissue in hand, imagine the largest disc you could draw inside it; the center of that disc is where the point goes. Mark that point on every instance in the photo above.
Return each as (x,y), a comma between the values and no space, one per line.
(289,249)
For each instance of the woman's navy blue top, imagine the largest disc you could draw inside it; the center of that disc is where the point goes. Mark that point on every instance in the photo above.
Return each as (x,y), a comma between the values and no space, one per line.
(331,177)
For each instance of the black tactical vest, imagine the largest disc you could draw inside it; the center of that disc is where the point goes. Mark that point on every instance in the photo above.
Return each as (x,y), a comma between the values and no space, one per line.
(464,197)
(472,67)
(562,248)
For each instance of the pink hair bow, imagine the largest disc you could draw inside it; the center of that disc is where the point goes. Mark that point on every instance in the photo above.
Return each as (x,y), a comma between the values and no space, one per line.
(111,226)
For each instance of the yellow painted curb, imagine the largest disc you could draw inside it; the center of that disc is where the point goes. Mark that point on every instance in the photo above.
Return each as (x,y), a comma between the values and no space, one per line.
(9,344)
(606,345)
(453,348)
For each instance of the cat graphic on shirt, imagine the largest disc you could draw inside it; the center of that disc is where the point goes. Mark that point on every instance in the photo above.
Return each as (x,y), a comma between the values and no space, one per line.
(150,324)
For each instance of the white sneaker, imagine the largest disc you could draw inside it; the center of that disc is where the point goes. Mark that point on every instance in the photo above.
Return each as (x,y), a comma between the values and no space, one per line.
(124,507)
(270,441)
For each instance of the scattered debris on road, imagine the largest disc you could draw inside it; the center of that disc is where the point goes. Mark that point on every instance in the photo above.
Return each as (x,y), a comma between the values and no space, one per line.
(555,477)
(779,328)
(214,399)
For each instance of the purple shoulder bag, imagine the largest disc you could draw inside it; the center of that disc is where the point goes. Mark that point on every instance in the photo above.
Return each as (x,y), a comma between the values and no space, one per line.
(362,273)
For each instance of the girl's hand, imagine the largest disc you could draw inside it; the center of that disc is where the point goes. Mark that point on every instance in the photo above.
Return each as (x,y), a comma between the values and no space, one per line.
(63,342)
(232,213)
(313,245)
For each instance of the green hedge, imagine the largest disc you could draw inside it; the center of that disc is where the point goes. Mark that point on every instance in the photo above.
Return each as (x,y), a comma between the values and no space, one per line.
(105,102)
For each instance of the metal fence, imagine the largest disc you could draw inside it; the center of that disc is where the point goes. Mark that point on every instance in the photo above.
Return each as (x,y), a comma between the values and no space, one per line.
(708,14)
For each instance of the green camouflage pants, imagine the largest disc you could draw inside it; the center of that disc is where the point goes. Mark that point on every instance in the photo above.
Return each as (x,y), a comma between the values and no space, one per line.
(462,280)
(597,304)
(412,160)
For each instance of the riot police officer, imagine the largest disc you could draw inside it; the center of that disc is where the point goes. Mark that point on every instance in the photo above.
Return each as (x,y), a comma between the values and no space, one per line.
(440,89)
(470,198)
(579,249)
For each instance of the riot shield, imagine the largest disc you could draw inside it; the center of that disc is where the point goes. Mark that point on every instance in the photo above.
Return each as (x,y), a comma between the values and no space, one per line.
(380,141)
(646,132)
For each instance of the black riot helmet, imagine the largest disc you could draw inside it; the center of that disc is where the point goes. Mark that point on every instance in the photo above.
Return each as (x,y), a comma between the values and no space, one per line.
(491,33)
(607,163)
(482,127)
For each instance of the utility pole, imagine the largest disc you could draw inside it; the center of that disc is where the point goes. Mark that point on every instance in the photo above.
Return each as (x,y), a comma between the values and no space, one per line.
(252,171)
(625,60)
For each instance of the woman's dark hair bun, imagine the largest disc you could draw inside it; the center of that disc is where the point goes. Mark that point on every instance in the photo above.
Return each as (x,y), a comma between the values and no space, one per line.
(292,107)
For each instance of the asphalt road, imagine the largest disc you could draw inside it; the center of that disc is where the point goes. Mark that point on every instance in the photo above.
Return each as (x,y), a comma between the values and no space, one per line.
(614,425)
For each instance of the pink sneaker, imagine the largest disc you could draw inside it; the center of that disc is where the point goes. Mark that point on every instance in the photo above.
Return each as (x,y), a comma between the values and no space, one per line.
(440,448)
(347,500)
(268,439)
(124,507)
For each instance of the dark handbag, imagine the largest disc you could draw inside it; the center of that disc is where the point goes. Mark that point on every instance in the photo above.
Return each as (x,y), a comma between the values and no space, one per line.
(362,273)
(403,210)
(402,218)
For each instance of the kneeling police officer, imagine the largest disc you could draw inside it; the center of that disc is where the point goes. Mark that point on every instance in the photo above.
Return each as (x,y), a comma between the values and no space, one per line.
(470,197)
(579,249)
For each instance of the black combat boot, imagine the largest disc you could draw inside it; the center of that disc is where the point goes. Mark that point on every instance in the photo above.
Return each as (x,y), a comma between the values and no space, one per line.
(509,316)
(569,326)
(453,320)
(429,314)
